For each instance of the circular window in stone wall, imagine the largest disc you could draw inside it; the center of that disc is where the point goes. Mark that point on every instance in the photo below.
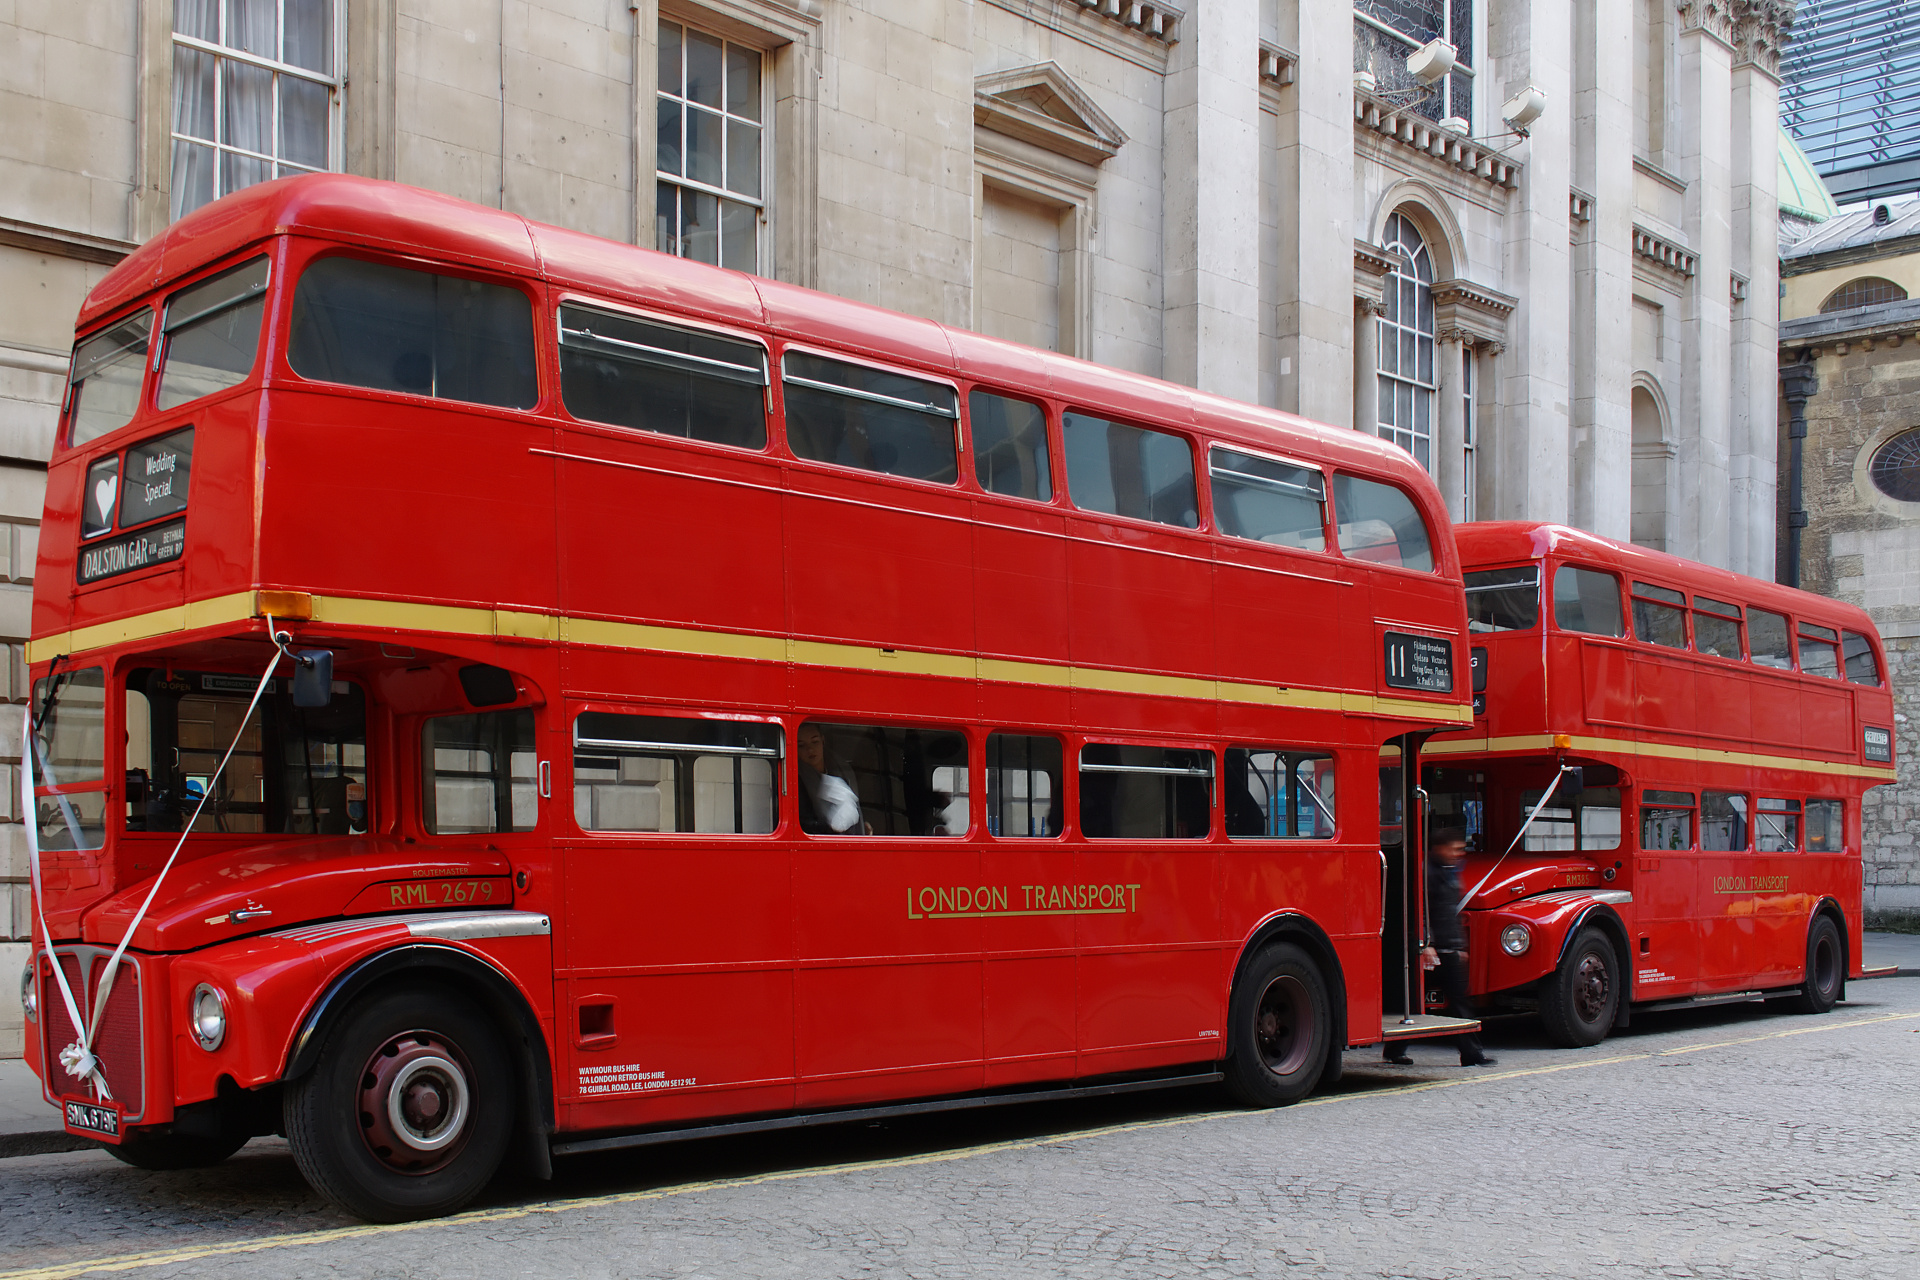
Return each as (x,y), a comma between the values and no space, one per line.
(1896,467)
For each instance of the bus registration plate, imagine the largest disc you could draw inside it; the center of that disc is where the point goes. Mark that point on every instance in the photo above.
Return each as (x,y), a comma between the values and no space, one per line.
(92,1119)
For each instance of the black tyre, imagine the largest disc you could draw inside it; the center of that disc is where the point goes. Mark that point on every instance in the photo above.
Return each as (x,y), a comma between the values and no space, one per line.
(1579,1000)
(409,1109)
(1826,968)
(177,1151)
(1279,1024)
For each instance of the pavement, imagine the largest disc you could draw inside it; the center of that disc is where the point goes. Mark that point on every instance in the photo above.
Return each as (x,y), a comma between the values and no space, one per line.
(28,1126)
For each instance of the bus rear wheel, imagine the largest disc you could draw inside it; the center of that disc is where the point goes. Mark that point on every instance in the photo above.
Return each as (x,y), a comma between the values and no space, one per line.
(407,1113)
(1826,968)
(1581,997)
(1279,1028)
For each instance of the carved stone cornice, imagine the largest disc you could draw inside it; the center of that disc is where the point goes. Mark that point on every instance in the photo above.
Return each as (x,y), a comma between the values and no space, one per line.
(1471,313)
(1662,252)
(1148,17)
(1405,127)
(1714,17)
(1759,29)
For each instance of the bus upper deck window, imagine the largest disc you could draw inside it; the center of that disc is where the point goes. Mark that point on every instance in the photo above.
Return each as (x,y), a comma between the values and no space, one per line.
(854,416)
(1716,628)
(1586,600)
(1767,640)
(367,324)
(1856,652)
(1129,471)
(105,386)
(679,382)
(1267,500)
(1819,650)
(1659,615)
(1504,599)
(1010,446)
(212,331)
(1379,523)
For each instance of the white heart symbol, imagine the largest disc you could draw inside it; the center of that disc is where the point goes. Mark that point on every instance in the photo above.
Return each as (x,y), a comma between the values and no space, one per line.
(104,492)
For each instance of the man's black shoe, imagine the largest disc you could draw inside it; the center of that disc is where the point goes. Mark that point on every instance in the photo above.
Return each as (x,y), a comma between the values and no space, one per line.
(1400,1059)
(1482,1061)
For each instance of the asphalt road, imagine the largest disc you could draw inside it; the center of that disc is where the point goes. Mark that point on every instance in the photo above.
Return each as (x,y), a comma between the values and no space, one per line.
(1737,1142)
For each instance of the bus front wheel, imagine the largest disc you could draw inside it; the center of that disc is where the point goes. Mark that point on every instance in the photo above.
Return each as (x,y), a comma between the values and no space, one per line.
(1826,968)
(1279,1027)
(407,1113)
(1581,997)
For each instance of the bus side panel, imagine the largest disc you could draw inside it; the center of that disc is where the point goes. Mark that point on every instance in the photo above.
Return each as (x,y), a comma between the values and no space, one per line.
(1030,967)
(1262,596)
(1019,585)
(1142,600)
(887,996)
(1149,983)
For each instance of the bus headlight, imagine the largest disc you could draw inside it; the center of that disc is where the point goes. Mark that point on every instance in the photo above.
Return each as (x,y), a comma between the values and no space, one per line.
(208,1013)
(30,990)
(1514,939)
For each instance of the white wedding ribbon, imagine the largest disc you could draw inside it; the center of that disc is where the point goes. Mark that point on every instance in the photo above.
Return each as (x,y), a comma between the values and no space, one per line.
(1551,788)
(78,1058)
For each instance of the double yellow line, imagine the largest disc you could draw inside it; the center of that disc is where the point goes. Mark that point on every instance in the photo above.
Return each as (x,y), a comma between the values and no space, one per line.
(482,1217)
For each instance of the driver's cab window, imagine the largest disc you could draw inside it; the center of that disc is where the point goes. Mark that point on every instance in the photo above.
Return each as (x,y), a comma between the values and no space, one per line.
(482,773)
(293,771)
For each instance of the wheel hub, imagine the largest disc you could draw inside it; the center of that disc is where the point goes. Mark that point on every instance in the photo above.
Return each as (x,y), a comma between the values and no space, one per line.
(1282,1025)
(415,1102)
(1591,983)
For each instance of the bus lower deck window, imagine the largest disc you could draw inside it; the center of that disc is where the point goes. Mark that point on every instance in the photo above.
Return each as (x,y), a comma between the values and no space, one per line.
(1776,826)
(1145,793)
(1666,821)
(69,759)
(671,773)
(1024,792)
(1825,834)
(1274,792)
(480,773)
(881,780)
(1723,821)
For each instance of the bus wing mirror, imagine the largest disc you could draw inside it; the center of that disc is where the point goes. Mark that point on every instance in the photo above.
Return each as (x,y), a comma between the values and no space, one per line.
(1572,781)
(313,678)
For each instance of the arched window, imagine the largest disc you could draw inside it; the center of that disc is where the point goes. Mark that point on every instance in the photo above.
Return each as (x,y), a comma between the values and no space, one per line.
(1867,291)
(1406,343)
(1895,468)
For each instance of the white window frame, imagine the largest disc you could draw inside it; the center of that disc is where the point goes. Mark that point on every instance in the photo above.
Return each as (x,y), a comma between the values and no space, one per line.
(278,168)
(1417,435)
(763,222)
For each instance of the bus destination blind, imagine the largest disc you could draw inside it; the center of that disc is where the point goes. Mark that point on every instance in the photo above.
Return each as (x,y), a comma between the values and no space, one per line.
(141,549)
(1419,662)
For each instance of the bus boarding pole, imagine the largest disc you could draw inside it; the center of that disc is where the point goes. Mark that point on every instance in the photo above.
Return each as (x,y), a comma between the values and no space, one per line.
(1420,798)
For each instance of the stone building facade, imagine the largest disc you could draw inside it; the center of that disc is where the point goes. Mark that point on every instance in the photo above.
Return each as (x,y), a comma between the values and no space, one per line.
(1850,368)
(1257,197)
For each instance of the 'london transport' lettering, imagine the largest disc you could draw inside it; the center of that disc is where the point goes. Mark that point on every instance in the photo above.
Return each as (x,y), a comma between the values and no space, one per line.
(934,902)
(1749,884)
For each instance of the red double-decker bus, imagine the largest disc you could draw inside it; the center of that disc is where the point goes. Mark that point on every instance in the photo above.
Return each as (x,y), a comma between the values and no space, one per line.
(1662,786)
(704,704)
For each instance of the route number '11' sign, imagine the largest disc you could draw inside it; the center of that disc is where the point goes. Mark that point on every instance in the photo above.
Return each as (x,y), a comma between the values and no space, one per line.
(1419,662)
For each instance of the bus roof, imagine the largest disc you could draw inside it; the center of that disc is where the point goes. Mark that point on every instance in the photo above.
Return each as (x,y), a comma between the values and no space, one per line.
(1496,542)
(409,220)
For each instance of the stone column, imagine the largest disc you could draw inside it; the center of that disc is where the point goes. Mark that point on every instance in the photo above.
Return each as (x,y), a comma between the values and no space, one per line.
(1486,430)
(1601,447)
(1699,528)
(1753,464)
(1211,201)
(1450,439)
(1317,322)
(1366,365)
(1530,44)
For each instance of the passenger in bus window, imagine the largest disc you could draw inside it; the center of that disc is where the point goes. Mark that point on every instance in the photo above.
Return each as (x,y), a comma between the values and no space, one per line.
(828,804)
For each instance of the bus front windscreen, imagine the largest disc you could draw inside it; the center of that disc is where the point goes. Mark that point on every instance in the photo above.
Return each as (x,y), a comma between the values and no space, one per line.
(295,770)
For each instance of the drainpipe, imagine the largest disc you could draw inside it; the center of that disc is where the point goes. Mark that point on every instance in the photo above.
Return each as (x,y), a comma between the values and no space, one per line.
(1798,384)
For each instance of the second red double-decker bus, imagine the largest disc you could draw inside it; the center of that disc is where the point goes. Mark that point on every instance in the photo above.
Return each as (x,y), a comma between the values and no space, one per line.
(1662,787)
(703,703)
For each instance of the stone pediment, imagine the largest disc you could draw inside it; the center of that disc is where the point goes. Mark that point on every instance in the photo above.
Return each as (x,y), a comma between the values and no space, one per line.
(1042,105)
